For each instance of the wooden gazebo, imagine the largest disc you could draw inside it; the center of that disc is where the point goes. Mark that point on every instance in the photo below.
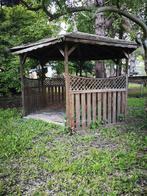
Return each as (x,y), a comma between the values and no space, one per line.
(87,99)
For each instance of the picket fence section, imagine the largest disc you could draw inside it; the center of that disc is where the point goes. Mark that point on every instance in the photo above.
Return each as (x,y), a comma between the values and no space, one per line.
(90,99)
(94,100)
(49,94)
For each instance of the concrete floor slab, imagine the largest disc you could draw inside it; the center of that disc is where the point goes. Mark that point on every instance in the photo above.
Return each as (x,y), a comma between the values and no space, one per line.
(57,117)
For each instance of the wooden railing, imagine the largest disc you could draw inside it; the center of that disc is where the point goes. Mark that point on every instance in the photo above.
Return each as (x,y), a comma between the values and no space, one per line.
(138,79)
(49,94)
(97,99)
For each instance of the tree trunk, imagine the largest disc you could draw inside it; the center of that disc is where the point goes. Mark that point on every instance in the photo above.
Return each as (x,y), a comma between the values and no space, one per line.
(100,30)
(134,19)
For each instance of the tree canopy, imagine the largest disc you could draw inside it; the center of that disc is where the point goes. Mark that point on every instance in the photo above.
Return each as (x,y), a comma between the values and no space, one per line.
(24,21)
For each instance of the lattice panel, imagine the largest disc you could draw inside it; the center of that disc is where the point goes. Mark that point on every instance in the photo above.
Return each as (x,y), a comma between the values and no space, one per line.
(81,83)
(47,82)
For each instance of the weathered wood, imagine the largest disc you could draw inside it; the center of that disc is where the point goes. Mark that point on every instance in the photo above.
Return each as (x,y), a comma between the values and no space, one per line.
(49,95)
(67,85)
(123,104)
(77,110)
(126,105)
(56,99)
(52,93)
(109,107)
(72,105)
(84,106)
(22,61)
(114,107)
(105,107)
(63,93)
(59,94)
(88,109)
(99,99)
(93,107)
(138,79)
(118,105)
(83,110)
(61,51)
(98,91)
(101,42)
(72,49)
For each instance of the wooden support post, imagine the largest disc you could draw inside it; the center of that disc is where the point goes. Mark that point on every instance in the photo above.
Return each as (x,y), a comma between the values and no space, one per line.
(127,67)
(126,100)
(126,106)
(22,61)
(67,85)
(43,91)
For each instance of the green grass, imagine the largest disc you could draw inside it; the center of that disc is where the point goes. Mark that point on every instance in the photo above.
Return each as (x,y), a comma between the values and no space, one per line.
(137,90)
(39,158)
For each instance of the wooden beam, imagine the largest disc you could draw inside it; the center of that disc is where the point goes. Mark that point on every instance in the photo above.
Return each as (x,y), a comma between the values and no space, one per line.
(61,51)
(126,54)
(72,49)
(69,51)
(22,61)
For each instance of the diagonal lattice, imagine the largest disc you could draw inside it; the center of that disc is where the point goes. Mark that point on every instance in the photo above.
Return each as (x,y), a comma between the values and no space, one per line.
(81,83)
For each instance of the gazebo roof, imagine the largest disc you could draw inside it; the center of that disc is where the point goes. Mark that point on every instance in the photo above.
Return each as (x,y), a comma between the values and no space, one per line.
(87,47)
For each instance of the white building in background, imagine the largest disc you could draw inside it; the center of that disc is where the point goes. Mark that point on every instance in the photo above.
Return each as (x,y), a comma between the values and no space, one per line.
(50,72)
(136,66)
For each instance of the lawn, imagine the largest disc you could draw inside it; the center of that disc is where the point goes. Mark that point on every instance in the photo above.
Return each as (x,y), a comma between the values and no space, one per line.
(137,90)
(40,159)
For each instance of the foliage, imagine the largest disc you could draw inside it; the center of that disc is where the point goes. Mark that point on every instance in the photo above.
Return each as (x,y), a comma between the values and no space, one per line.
(30,21)
(42,159)
(18,26)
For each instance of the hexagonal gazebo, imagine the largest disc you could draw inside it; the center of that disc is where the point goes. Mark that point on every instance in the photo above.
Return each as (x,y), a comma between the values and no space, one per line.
(85,99)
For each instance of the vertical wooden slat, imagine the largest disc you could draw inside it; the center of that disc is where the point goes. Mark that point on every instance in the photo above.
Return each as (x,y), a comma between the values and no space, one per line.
(123,94)
(49,95)
(88,109)
(105,106)
(77,110)
(55,100)
(62,94)
(93,107)
(118,104)
(72,120)
(83,110)
(59,94)
(114,108)
(99,100)
(109,107)
(52,94)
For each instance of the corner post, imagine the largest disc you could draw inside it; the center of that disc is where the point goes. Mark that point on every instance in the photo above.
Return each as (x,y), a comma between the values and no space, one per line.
(67,84)
(22,61)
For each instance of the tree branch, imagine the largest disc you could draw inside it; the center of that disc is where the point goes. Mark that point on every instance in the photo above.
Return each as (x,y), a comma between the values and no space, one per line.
(29,7)
(134,19)
(124,13)
(69,10)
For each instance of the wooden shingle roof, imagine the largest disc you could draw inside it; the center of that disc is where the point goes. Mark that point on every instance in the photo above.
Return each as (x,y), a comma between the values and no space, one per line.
(88,47)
